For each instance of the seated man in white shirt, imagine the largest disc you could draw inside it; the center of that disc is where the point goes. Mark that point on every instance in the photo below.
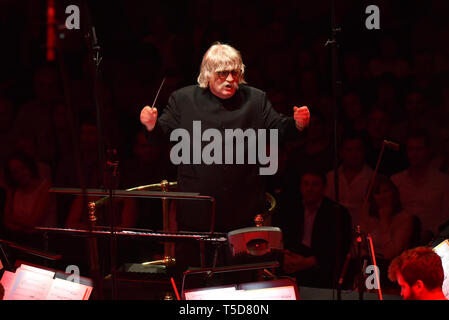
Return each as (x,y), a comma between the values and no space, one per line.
(354,176)
(424,190)
(317,233)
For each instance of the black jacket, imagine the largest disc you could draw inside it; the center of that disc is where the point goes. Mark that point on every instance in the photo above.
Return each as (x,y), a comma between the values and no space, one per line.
(237,188)
(331,237)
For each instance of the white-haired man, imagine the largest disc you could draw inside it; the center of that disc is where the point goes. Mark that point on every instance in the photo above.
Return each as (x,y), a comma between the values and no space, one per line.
(221,101)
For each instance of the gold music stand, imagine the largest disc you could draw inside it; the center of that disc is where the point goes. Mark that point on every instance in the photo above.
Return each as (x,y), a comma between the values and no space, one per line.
(163,186)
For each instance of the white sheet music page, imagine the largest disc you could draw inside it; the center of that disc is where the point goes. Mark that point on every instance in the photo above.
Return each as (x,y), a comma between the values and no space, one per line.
(212,294)
(443,251)
(30,284)
(67,290)
(36,270)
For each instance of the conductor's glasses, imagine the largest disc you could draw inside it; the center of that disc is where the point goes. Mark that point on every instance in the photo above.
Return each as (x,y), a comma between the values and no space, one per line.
(225,73)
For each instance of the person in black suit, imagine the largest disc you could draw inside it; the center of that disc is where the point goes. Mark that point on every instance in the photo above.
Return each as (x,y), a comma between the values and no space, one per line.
(317,233)
(221,101)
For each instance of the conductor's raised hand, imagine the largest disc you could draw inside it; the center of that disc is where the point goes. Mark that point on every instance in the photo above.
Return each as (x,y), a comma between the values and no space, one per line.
(302,117)
(148,117)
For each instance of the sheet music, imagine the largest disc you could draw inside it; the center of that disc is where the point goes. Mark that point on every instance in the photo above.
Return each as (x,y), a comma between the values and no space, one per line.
(36,270)
(67,290)
(7,281)
(212,294)
(276,293)
(30,285)
(443,251)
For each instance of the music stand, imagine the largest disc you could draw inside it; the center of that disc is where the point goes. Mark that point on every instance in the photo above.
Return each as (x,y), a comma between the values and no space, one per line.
(235,268)
(132,194)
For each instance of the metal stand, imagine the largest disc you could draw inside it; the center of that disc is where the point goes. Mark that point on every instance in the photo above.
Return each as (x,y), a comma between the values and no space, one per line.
(164,186)
(361,286)
(373,262)
(133,193)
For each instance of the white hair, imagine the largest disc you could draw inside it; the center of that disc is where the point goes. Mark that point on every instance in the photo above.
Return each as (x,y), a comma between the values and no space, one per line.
(220,57)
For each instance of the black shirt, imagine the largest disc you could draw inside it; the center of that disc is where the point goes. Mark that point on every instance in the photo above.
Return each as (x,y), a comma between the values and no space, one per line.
(238,188)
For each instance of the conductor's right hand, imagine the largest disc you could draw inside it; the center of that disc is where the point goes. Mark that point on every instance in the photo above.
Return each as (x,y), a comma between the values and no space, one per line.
(148,117)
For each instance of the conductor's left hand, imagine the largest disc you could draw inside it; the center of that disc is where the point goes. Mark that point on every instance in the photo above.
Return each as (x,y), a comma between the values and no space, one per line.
(302,117)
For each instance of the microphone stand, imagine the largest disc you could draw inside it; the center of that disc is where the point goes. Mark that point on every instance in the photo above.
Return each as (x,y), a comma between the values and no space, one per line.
(336,88)
(94,265)
(349,256)
(110,164)
(361,287)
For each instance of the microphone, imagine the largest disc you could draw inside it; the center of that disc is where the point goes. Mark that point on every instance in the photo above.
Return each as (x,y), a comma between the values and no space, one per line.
(391,145)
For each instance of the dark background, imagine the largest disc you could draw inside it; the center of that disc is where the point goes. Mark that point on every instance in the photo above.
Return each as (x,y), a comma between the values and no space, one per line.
(283,48)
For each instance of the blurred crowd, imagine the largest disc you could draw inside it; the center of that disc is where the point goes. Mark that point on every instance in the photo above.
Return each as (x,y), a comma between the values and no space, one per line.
(394,87)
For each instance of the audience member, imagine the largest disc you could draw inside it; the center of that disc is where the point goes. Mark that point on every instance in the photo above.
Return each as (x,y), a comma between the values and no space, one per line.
(441,159)
(28,201)
(354,117)
(6,127)
(418,115)
(354,175)
(316,153)
(424,190)
(393,161)
(389,225)
(389,60)
(27,144)
(149,164)
(317,234)
(34,118)
(67,174)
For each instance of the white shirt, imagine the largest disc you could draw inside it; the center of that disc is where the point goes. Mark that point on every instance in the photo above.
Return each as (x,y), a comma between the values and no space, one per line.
(351,195)
(309,219)
(429,201)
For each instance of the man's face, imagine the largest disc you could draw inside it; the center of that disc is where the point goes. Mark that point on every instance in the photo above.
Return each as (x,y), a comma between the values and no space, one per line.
(378,124)
(223,84)
(415,104)
(417,151)
(353,153)
(316,129)
(407,292)
(312,188)
(352,106)
(20,172)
